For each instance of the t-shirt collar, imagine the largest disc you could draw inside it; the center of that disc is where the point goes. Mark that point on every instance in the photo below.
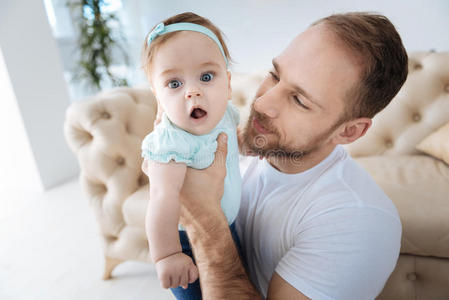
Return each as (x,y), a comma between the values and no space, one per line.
(270,172)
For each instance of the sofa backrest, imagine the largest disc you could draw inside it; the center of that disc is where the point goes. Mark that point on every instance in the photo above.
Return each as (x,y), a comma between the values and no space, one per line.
(420,107)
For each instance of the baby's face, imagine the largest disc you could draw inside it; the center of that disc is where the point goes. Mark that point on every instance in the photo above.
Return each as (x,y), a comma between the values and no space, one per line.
(190,80)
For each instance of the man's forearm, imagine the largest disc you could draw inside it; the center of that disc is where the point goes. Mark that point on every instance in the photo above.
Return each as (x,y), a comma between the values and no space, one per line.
(222,275)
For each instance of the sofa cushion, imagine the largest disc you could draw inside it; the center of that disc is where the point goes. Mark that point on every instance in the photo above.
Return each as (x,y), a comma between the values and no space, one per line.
(419,278)
(419,186)
(135,207)
(437,144)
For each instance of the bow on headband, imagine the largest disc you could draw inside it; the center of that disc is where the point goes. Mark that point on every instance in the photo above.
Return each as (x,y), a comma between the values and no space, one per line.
(161,29)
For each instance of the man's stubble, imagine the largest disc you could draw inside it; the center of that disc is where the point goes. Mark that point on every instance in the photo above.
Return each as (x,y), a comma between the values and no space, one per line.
(258,144)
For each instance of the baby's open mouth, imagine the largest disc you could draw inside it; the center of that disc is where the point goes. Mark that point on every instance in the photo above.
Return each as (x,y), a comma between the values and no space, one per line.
(198,113)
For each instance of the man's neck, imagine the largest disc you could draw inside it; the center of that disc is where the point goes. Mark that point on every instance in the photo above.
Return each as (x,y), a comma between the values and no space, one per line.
(299,165)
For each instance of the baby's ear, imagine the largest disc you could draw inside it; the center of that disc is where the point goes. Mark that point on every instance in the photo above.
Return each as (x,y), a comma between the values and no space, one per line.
(153,90)
(229,85)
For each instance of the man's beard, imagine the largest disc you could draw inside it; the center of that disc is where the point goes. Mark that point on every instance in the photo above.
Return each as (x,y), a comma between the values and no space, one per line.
(259,145)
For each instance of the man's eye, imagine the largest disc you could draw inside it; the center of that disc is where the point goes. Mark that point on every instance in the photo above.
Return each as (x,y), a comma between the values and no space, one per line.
(300,102)
(174,84)
(207,76)
(274,76)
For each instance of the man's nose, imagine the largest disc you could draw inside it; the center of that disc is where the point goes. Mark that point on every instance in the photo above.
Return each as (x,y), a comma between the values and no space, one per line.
(268,103)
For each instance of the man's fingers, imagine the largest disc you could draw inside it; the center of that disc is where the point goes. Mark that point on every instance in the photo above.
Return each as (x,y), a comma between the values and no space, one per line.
(240,141)
(222,150)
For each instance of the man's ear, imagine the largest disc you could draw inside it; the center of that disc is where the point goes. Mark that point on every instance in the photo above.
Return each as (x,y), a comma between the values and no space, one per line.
(229,85)
(352,130)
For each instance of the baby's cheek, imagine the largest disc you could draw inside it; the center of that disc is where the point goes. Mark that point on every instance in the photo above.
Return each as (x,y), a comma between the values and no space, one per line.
(175,115)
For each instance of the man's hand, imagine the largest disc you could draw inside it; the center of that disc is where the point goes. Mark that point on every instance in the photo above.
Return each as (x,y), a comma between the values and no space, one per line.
(203,189)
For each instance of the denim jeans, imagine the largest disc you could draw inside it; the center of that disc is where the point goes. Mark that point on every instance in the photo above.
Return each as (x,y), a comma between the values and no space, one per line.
(193,291)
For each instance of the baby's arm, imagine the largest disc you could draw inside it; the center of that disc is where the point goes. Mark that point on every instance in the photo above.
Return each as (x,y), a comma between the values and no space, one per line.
(174,268)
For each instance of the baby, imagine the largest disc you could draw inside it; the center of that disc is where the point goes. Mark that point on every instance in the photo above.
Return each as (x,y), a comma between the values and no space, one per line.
(186,62)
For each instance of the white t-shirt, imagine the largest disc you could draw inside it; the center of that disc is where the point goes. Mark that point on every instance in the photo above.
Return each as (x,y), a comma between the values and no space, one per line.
(330,231)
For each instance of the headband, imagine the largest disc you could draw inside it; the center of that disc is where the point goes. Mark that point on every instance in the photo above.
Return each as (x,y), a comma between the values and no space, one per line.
(161,29)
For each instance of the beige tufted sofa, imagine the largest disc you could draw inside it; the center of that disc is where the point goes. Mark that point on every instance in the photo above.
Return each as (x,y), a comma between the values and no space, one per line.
(105,133)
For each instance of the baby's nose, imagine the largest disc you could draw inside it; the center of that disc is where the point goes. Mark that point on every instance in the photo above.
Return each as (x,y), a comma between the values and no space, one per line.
(193,93)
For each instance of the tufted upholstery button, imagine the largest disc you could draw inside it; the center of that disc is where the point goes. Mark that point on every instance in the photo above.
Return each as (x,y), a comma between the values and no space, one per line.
(82,135)
(416,117)
(120,161)
(417,66)
(389,143)
(242,100)
(143,179)
(411,276)
(446,88)
(134,98)
(105,115)
(127,128)
(111,238)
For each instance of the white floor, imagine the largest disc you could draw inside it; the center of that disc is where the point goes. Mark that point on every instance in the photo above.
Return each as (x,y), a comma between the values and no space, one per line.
(50,249)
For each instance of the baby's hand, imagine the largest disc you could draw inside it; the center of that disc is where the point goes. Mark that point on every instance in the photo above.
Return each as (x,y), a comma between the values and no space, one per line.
(176,270)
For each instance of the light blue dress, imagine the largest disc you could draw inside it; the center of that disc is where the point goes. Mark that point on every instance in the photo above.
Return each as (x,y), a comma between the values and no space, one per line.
(169,142)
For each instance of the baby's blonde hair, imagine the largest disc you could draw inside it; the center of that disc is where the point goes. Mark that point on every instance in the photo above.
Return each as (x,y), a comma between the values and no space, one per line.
(188,17)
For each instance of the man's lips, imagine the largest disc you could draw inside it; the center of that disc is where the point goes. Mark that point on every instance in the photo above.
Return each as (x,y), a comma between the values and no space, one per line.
(259,127)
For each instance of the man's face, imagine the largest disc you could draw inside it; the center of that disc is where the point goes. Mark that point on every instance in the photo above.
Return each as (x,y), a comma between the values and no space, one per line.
(300,103)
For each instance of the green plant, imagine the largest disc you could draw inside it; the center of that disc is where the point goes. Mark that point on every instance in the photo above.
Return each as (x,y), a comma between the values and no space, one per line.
(96,42)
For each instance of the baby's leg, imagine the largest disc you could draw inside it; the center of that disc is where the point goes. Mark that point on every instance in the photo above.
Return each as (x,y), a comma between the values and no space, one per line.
(174,268)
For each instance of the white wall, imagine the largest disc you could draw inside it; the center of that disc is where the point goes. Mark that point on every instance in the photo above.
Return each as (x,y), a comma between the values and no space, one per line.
(18,169)
(36,79)
(258,30)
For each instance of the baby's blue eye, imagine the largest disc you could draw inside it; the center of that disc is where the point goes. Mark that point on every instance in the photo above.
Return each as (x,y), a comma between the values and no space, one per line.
(207,77)
(174,84)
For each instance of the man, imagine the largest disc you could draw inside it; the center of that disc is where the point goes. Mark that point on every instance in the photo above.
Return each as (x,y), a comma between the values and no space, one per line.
(312,223)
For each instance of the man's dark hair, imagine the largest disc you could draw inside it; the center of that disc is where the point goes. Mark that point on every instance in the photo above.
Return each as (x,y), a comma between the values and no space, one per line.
(374,40)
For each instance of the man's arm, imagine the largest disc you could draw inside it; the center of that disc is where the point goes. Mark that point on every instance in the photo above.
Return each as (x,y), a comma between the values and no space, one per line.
(281,289)
(222,274)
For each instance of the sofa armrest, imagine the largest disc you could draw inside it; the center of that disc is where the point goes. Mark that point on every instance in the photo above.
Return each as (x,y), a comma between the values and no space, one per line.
(419,187)
(105,133)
